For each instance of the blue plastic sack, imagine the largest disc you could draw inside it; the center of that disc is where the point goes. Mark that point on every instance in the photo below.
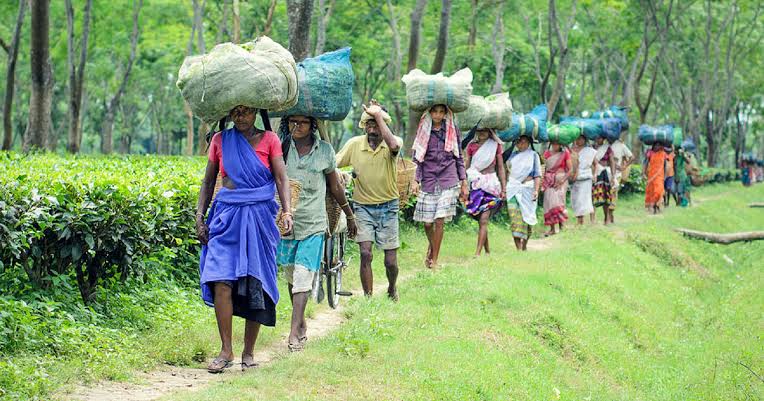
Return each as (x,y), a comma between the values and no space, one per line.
(592,128)
(611,128)
(325,87)
(621,113)
(663,134)
(532,124)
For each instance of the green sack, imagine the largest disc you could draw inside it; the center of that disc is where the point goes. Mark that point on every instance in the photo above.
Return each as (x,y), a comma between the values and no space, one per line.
(678,137)
(564,134)
(424,91)
(494,112)
(259,74)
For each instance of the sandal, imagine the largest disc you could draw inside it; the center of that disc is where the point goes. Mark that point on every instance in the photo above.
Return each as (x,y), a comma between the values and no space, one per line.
(246,365)
(216,367)
(299,347)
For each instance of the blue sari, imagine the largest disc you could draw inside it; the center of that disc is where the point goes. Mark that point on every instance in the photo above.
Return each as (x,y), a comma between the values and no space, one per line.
(241,251)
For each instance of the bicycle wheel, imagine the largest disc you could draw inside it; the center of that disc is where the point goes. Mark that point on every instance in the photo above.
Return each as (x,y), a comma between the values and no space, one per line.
(334,273)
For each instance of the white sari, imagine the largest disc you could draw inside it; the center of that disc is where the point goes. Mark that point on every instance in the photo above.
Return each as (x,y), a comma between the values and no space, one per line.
(479,162)
(521,166)
(581,191)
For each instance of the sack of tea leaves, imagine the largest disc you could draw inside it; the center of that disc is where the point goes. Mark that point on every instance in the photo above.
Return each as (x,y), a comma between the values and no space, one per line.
(564,134)
(260,74)
(663,134)
(493,111)
(424,91)
(532,124)
(325,85)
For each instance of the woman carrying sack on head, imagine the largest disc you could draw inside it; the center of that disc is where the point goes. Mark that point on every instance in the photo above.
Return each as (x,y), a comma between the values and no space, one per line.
(654,172)
(581,191)
(487,179)
(440,174)
(555,185)
(605,169)
(239,237)
(523,186)
(311,162)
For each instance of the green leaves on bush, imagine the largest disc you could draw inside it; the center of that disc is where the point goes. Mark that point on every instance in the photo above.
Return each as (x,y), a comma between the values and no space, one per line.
(95,218)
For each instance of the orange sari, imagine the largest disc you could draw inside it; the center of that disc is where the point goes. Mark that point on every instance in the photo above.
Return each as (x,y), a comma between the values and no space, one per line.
(656,162)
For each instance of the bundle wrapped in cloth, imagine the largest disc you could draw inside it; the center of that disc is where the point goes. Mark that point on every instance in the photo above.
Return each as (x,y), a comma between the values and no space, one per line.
(424,91)
(325,87)
(621,113)
(564,134)
(494,112)
(259,74)
(663,134)
(532,124)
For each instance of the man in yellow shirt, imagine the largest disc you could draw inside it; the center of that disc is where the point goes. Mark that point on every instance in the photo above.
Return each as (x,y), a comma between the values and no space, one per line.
(375,194)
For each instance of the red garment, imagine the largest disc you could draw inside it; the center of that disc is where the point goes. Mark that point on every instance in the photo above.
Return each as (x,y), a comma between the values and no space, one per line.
(269,146)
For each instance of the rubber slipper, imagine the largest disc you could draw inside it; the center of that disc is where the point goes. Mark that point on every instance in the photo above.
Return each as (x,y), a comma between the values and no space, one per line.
(226,364)
(245,365)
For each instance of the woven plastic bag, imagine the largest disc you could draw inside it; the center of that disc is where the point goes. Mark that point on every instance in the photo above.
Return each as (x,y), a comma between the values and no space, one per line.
(590,127)
(424,91)
(494,112)
(563,134)
(663,134)
(532,124)
(611,128)
(621,113)
(259,74)
(325,87)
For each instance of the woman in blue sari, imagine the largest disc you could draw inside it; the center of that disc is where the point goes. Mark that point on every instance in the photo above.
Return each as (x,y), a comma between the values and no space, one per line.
(239,236)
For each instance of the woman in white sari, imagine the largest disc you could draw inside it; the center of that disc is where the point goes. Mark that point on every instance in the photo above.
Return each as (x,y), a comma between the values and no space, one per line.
(583,168)
(523,187)
(487,179)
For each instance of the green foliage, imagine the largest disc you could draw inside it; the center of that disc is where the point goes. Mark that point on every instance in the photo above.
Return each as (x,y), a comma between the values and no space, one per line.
(95,219)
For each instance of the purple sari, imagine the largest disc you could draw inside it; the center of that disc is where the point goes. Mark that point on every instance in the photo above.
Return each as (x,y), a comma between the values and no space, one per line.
(243,236)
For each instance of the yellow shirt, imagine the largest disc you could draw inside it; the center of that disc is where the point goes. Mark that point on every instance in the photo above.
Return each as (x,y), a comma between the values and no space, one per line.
(375,170)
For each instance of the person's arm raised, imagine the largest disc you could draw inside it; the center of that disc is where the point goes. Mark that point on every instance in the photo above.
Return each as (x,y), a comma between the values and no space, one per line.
(375,110)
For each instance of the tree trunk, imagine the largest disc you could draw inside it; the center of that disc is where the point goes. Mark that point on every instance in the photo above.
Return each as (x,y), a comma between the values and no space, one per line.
(299,13)
(269,19)
(324,14)
(395,72)
(107,142)
(236,22)
(416,26)
(223,33)
(198,29)
(562,49)
(440,53)
(499,48)
(10,78)
(472,38)
(724,239)
(41,96)
(76,74)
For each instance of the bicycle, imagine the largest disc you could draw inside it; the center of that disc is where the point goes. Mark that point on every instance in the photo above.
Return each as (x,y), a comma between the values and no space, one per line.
(333,264)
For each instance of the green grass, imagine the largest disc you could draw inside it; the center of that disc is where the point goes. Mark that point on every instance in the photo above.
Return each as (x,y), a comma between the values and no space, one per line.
(631,312)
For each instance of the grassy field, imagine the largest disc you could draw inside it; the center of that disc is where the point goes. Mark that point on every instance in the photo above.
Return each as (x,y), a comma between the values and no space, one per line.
(633,311)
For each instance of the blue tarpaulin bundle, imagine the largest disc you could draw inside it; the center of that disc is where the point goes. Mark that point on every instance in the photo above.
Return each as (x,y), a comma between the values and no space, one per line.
(611,128)
(532,124)
(591,127)
(621,113)
(325,87)
(663,134)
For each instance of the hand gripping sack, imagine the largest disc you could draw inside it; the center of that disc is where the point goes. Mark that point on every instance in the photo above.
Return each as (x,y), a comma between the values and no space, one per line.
(564,134)
(532,124)
(494,112)
(259,74)
(592,128)
(325,87)
(424,91)
(663,134)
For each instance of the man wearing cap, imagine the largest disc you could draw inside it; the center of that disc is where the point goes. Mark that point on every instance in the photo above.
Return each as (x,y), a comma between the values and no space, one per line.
(375,194)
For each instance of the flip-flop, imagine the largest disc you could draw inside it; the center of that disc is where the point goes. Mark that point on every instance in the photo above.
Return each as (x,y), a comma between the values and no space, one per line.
(245,365)
(226,364)
(299,347)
